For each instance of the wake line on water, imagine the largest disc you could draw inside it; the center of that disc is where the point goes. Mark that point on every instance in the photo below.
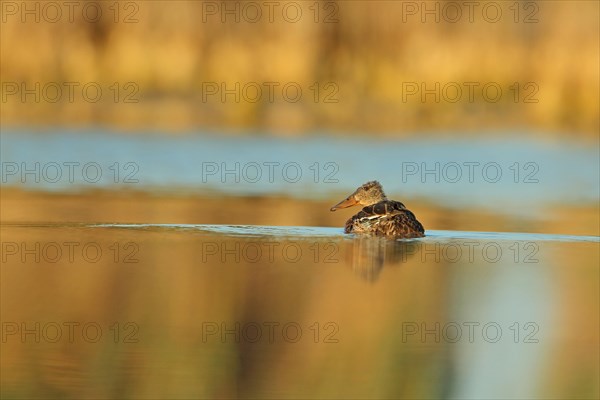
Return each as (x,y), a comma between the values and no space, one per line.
(256,231)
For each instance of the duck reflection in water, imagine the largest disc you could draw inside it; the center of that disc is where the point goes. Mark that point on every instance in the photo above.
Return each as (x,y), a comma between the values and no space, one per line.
(369,254)
(379,216)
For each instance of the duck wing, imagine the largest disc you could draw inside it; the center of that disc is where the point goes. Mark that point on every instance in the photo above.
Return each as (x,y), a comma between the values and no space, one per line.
(386,218)
(403,225)
(383,208)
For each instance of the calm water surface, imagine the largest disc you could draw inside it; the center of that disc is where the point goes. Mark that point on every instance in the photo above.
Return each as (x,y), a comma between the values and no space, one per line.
(162,307)
(510,174)
(222,311)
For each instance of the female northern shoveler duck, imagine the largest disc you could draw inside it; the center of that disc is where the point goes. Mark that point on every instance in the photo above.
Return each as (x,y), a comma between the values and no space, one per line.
(380,216)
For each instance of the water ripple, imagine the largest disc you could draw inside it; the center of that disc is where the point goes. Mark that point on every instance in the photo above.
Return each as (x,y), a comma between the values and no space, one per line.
(254,231)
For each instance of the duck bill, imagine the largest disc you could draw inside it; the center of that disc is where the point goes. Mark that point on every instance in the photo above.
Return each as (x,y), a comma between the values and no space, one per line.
(349,202)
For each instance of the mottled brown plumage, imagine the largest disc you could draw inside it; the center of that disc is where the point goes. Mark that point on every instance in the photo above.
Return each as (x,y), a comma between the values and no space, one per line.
(380,216)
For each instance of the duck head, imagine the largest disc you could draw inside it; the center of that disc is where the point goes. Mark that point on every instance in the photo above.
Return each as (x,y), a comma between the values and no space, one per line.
(365,195)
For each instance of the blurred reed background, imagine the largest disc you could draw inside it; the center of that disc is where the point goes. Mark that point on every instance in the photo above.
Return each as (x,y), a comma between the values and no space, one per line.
(364,68)
(367,49)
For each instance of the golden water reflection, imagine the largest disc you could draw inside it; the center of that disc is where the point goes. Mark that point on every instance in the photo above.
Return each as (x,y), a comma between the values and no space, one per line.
(159,312)
(127,206)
